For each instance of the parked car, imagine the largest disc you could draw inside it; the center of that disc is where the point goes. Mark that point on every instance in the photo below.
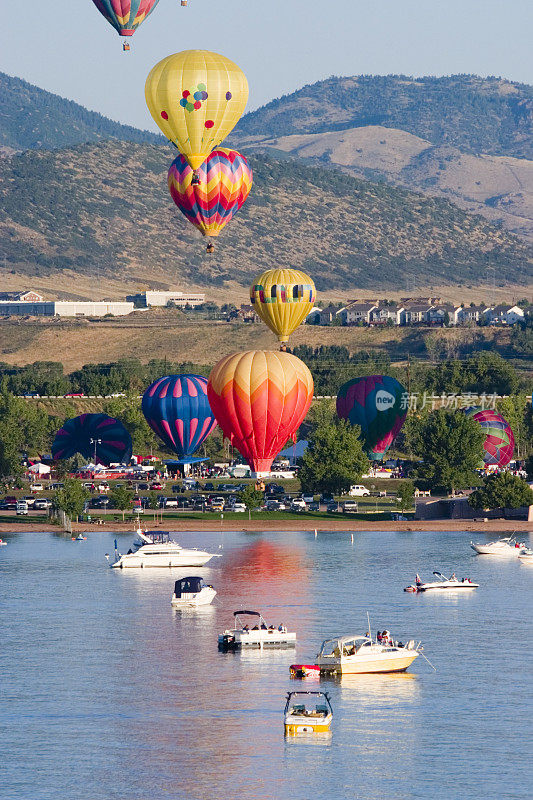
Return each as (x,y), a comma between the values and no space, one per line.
(239,508)
(333,508)
(22,507)
(216,505)
(209,487)
(41,504)
(273,489)
(56,486)
(178,489)
(171,502)
(298,505)
(308,498)
(349,506)
(314,506)
(358,490)
(29,500)
(156,486)
(327,498)
(36,487)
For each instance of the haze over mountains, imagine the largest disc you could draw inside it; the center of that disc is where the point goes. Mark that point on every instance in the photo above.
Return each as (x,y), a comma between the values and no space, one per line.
(104,206)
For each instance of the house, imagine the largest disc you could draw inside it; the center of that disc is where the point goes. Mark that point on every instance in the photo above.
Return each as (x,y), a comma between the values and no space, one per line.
(28,296)
(504,315)
(245,313)
(468,315)
(441,314)
(356,313)
(313,318)
(385,315)
(415,314)
(327,315)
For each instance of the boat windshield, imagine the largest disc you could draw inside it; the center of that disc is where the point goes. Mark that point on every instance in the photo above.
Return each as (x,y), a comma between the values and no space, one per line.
(334,647)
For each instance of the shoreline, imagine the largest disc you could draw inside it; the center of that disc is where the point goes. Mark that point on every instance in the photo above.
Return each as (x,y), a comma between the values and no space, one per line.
(256,525)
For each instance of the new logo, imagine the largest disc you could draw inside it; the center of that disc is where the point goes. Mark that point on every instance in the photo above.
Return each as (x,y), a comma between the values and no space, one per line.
(384,400)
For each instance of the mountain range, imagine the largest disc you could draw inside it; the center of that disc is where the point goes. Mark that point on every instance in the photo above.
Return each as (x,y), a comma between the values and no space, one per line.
(332,188)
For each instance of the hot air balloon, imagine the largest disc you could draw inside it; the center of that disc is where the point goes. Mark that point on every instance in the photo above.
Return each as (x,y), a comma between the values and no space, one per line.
(260,398)
(196,97)
(97,437)
(499,438)
(377,403)
(283,298)
(125,15)
(225,180)
(177,410)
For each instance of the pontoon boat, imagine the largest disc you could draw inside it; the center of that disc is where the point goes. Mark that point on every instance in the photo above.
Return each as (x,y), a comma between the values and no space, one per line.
(260,635)
(502,547)
(442,582)
(300,719)
(192,592)
(346,655)
(157,549)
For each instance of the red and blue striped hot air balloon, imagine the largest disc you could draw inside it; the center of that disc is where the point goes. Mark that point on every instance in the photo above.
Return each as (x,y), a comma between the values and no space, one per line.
(178,411)
(97,437)
(125,15)
(222,185)
(499,439)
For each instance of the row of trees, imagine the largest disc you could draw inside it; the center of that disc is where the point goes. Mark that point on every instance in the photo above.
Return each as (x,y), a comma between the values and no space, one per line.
(481,372)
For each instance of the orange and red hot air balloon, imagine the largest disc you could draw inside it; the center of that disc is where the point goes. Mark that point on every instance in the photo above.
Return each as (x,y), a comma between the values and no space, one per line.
(260,398)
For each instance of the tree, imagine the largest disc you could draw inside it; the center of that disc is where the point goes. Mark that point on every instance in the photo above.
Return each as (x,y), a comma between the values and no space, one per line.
(515,409)
(503,490)
(122,498)
(251,497)
(334,459)
(128,410)
(451,446)
(71,498)
(405,495)
(11,434)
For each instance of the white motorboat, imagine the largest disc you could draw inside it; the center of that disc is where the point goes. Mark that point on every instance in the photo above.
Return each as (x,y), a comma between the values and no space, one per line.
(157,549)
(442,582)
(349,655)
(507,546)
(260,635)
(2,543)
(300,719)
(192,592)
(526,557)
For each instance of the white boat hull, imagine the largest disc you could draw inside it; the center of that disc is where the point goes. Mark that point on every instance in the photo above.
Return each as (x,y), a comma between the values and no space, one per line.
(186,559)
(238,640)
(368,663)
(447,586)
(503,551)
(526,558)
(194,599)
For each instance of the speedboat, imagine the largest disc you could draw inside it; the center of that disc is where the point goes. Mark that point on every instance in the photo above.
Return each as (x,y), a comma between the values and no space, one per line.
(2,543)
(157,549)
(525,558)
(301,719)
(502,547)
(261,635)
(349,655)
(442,582)
(192,592)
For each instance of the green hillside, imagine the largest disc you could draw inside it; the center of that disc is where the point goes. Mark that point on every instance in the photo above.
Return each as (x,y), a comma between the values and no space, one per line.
(33,118)
(479,115)
(105,208)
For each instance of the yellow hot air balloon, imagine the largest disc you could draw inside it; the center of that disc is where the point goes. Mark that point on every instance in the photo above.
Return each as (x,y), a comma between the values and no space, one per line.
(196,97)
(283,298)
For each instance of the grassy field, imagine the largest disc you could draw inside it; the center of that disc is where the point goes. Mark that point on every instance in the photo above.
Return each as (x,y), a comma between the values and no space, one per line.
(172,335)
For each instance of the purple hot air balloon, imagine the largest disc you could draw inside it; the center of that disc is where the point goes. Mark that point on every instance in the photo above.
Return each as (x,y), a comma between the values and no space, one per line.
(378,404)
(177,409)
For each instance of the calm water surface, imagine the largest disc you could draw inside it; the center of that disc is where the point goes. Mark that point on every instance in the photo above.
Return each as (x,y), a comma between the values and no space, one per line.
(106,692)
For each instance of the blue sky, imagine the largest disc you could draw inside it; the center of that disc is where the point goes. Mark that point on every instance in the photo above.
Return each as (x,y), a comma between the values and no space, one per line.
(67,47)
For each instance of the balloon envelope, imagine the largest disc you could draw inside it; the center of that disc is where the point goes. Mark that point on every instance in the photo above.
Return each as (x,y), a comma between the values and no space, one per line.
(283,298)
(90,433)
(196,97)
(177,409)
(125,15)
(499,438)
(260,398)
(378,404)
(225,183)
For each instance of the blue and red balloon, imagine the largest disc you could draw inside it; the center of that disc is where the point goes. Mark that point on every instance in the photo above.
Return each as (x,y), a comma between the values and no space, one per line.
(178,411)
(97,437)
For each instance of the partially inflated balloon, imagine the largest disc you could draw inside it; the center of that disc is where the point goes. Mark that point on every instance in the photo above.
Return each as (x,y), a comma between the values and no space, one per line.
(125,15)
(93,433)
(260,398)
(499,438)
(177,409)
(378,404)
(283,298)
(225,180)
(196,97)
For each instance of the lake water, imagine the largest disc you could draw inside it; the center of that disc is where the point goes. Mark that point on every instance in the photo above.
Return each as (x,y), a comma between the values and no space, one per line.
(106,692)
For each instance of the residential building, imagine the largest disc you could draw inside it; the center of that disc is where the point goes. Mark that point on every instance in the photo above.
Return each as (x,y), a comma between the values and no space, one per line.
(468,315)
(28,296)
(327,315)
(415,314)
(385,315)
(442,314)
(504,315)
(356,313)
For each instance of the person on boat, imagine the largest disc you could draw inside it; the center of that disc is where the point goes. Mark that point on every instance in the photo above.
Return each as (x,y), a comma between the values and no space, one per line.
(245,628)
(281,627)
(379,637)
(453,578)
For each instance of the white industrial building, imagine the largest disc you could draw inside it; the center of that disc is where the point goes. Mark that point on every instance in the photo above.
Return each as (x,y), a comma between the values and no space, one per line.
(179,299)
(64,308)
